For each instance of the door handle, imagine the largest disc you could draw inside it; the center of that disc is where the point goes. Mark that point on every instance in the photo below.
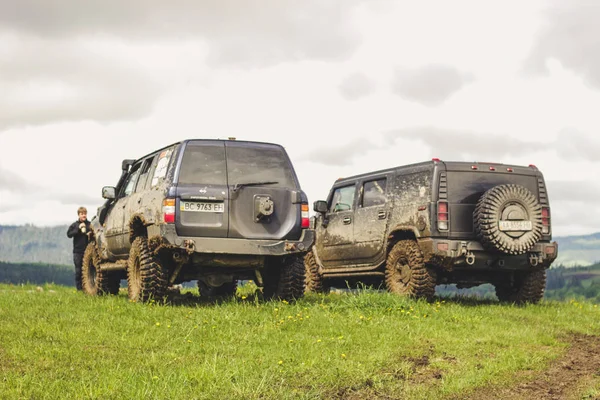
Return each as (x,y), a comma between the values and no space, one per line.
(382,214)
(347,220)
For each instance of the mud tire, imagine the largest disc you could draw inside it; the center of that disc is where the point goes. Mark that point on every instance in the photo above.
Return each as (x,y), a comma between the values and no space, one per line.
(406,274)
(526,288)
(488,214)
(146,277)
(284,280)
(313,281)
(94,282)
(225,290)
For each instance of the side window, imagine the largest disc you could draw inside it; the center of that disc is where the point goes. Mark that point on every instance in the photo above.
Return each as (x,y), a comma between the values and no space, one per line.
(342,199)
(374,193)
(131,181)
(144,172)
(159,170)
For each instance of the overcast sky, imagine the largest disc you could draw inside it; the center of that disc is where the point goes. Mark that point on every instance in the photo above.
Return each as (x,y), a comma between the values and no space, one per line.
(346,86)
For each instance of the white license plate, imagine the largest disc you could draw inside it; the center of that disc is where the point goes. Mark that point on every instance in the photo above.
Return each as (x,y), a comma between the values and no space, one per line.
(198,206)
(516,225)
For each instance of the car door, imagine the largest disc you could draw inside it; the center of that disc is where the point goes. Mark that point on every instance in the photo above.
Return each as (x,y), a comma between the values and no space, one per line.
(202,193)
(137,198)
(117,230)
(337,229)
(370,220)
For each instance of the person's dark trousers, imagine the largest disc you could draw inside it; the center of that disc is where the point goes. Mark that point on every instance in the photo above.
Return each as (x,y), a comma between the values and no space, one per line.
(78,260)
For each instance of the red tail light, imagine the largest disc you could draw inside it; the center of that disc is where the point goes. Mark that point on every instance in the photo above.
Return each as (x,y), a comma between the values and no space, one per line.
(545,220)
(442,215)
(305,217)
(169,211)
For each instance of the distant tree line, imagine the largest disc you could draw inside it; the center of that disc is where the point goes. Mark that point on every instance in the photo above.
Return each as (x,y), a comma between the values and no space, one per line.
(37,274)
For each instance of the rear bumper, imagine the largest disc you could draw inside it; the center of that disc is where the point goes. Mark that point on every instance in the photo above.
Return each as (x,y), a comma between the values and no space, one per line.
(471,254)
(208,245)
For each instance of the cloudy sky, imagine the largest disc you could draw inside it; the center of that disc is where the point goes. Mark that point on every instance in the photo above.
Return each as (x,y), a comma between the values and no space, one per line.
(347,86)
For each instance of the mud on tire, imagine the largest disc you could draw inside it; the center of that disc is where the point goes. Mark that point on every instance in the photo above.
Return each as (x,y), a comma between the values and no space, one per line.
(527,287)
(506,202)
(94,282)
(284,280)
(313,281)
(405,272)
(146,277)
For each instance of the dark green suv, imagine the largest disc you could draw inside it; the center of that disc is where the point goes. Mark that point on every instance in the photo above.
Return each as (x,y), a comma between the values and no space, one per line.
(417,226)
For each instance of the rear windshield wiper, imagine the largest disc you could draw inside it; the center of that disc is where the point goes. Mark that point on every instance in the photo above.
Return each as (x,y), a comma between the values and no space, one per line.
(238,186)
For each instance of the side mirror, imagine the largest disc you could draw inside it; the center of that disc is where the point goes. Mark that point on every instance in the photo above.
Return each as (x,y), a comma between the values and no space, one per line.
(320,206)
(108,192)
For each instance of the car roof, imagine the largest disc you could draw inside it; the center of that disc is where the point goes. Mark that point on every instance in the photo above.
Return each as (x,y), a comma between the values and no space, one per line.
(249,142)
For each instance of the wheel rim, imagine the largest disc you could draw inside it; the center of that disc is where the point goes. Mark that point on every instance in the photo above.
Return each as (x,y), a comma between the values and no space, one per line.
(404,274)
(92,274)
(135,280)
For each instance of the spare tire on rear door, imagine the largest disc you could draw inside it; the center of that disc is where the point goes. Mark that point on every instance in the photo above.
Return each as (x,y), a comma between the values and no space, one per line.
(508,218)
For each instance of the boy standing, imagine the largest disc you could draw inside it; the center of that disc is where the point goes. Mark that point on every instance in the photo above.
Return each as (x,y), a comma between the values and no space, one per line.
(79,231)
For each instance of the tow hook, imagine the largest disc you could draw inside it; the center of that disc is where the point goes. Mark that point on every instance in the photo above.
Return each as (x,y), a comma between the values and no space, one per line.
(534,260)
(189,246)
(470,258)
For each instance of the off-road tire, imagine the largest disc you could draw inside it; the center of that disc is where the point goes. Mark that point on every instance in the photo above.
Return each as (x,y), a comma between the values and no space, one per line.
(284,280)
(488,213)
(313,281)
(225,290)
(94,282)
(405,272)
(146,277)
(526,288)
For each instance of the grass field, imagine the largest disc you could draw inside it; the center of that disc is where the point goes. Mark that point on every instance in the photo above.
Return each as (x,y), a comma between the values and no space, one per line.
(56,343)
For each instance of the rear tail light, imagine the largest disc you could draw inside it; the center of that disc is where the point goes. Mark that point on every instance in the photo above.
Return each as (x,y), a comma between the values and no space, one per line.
(305,217)
(169,211)
(442,215)
(545,220)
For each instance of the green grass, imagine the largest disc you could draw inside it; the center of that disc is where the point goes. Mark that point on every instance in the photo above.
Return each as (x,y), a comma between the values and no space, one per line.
(57,343)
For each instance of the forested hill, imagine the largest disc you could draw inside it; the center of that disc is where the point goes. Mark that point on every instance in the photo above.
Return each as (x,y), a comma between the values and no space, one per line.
(32,244)
(578,250)
(50,245)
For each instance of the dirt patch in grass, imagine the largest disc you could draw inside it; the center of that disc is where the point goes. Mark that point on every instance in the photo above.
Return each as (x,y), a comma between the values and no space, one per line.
(562,380)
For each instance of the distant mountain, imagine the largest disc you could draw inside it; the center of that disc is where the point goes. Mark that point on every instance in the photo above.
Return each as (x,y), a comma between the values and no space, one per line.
(50,245)
(578,250)
(33,244)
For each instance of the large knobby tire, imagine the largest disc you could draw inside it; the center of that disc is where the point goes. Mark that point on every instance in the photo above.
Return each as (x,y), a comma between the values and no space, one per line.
(505,203)
(313,281)
(227,289)
(405,272)
(93,281)
(526,288)
(146,277)
(284,280)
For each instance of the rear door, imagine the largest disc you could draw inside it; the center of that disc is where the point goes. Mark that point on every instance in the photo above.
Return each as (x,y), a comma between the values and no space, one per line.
(264,194)
(202,192)
(370,221)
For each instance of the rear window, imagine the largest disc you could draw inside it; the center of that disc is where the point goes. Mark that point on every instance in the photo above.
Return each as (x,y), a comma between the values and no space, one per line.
(259,164)
(467,187)
(204,164)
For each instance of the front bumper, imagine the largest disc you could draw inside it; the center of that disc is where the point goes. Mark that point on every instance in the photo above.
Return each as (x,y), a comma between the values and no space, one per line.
(234,246)
(471,254)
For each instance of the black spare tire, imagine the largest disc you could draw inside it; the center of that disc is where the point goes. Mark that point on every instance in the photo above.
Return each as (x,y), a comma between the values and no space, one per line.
(508,218)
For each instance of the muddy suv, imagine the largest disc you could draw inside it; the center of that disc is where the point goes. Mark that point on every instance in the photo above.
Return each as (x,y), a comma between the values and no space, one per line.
(214,211)
(417,226)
